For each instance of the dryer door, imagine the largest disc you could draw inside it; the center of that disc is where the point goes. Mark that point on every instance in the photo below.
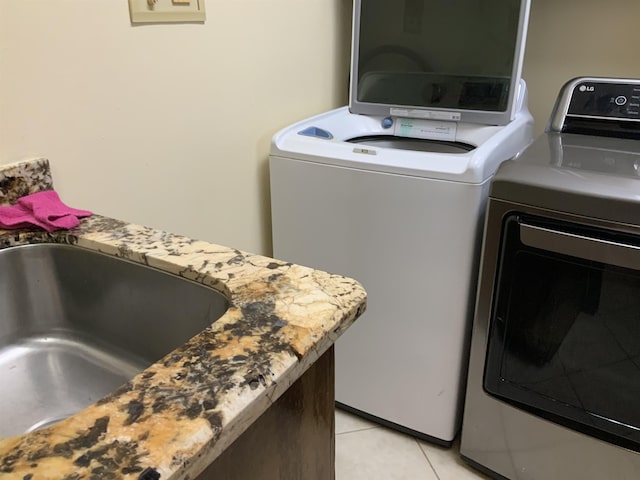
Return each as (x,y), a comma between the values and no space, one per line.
(564,341)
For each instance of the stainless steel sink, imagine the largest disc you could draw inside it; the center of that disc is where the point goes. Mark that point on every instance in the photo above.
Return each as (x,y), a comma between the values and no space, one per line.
(76,324)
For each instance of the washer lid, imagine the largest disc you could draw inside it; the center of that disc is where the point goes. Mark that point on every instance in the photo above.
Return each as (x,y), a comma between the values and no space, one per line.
(585,175)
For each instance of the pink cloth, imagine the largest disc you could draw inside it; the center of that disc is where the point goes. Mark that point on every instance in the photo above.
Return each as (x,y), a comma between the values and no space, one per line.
(42,209)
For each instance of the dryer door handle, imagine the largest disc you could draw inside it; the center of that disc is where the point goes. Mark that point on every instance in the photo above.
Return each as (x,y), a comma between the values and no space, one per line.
(596,249)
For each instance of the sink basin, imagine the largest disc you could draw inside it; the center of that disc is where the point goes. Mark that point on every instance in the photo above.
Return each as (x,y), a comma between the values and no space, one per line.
(76,324)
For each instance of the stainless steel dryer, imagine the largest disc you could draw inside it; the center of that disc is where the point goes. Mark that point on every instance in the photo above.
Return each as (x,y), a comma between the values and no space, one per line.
(553,388)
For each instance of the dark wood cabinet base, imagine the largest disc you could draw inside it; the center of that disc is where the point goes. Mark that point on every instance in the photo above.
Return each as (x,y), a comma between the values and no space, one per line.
(294,439)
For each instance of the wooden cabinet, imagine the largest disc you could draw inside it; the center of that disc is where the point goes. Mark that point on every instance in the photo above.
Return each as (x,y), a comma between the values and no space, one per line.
(294,439)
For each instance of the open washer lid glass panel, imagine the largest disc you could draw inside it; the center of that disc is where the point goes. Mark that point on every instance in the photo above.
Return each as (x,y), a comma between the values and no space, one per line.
(455,60)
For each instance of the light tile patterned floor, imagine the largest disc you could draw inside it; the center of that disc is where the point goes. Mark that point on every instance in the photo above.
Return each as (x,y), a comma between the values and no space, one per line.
(367,451)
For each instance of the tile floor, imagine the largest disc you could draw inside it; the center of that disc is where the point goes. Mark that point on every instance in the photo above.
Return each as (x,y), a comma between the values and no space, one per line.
(367,451)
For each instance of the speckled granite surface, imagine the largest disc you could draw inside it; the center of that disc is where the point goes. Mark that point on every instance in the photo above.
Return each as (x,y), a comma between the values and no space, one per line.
(23,178)
(178,415)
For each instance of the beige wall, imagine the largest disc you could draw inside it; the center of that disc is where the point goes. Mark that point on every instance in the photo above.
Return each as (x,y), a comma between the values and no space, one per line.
(571,38)
(169,125)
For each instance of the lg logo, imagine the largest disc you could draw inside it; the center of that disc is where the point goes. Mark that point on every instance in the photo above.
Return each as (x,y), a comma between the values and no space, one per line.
(587,88)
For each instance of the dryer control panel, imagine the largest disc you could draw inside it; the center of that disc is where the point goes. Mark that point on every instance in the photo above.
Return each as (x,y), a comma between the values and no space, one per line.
(598,106)
(600,99)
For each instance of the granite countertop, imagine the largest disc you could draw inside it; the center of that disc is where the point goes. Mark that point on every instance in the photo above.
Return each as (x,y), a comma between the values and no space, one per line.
(282,318)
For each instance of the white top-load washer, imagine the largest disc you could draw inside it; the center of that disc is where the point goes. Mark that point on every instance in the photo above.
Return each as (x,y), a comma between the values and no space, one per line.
(407,225)
(396,200)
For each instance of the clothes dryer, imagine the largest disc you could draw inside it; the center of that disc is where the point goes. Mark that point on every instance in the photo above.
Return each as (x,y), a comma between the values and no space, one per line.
(554,373)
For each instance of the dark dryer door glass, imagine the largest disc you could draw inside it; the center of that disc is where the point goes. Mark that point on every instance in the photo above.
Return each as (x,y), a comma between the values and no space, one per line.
(564,341)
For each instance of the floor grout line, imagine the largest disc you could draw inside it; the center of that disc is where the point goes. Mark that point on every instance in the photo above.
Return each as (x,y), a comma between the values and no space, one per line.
(358,430)
(427,458)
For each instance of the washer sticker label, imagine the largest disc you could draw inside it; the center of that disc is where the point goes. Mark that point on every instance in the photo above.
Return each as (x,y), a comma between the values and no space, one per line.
(427,129)
(365,151)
